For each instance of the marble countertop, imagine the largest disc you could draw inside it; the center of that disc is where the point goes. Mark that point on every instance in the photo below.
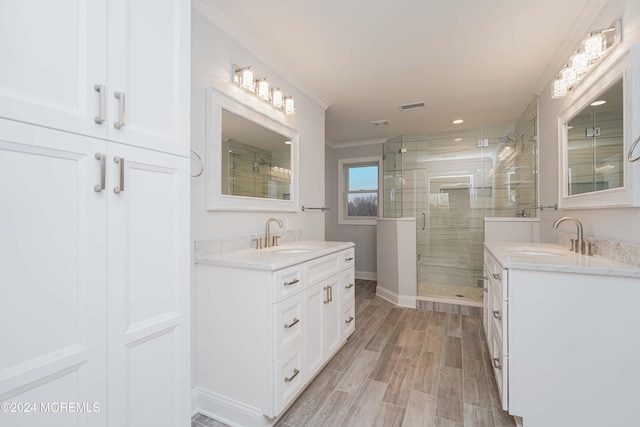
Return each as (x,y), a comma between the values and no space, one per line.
(277,257)
(552,257)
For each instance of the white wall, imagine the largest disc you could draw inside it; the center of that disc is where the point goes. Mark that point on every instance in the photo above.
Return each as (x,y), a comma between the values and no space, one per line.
(213,53)
(364,236)
(620,224)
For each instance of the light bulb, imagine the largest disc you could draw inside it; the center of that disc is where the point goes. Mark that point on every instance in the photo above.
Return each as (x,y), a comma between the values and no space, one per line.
(569,76)
(580,64)
(559,88)
(276,97)
(288,105)
(593,47)
(262,89)
(246,79)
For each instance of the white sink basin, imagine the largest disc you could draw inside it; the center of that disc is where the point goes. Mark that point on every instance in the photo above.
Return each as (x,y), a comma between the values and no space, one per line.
(539,252)
(292,251)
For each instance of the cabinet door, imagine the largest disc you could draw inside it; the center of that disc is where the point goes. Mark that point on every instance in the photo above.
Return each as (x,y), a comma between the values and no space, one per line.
(54,53)
(53,275)
(315,299)
(149,55)
(148,288)
(332,316)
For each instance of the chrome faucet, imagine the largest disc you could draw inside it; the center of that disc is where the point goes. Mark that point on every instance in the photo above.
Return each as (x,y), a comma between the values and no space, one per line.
(268,243)
(578,245)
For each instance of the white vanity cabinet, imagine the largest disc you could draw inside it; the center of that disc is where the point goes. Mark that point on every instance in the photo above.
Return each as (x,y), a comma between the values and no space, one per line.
(266,326)
(495,323)
(114,69)
(562,335)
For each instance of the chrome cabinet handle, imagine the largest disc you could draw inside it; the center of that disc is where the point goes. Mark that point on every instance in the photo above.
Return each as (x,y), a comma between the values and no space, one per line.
(102,158)
(120,161)
(295,322)
(424,220)
(348,259)
(289,379)
(123,115)
(100,118)
(293,282)
(330,293)
(496,363)
(496,314)
(349,320)
(497,276)
(326,294)
(349,286)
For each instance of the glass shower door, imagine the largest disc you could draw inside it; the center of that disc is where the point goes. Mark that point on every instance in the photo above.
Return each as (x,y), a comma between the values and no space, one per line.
(449,203)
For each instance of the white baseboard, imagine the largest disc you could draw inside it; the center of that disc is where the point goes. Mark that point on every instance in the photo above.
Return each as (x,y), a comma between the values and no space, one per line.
(366,275)
(225,410)
(399,300)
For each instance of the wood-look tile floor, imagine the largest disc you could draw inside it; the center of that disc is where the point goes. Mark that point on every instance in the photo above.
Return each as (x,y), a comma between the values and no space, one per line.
(401,367)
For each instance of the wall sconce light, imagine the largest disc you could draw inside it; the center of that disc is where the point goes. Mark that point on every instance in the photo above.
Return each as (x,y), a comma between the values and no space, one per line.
(244,77)
(591,51)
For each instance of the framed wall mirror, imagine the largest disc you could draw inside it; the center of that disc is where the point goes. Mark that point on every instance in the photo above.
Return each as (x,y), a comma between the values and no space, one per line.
(253,158)
(595,134)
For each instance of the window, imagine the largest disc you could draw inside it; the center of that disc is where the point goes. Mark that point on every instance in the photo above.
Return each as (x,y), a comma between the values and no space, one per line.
(359,181)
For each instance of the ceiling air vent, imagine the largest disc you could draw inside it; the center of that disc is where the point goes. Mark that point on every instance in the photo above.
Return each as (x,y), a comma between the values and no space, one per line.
(378,123)
(413,106)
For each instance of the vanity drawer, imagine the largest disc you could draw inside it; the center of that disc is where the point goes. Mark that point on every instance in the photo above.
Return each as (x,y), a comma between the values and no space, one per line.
(348,257)
(288,328)
(323,267)
(348,319)
(289,377)
(500,365)
(348,284)
(287,282)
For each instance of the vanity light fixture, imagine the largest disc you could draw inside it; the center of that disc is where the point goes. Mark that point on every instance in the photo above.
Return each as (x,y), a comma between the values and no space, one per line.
(289,107)
(593,48)
(244,77)
(262,89)
(276,97)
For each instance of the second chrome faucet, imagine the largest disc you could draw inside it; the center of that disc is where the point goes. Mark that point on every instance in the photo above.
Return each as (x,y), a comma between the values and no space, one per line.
(269,240)
(578,245)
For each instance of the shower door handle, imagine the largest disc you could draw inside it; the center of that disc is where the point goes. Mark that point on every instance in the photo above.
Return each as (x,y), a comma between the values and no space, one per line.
(424,220)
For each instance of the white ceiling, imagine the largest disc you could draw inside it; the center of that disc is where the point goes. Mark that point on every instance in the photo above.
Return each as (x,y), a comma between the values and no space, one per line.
(481,61)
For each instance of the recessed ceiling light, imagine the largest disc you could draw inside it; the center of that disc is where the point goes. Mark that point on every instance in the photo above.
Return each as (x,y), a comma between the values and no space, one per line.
(457,121)
(288,142)
(596,103)
(458,139)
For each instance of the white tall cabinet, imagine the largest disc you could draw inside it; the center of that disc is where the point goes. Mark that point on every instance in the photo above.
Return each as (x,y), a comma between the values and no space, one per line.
(94,283)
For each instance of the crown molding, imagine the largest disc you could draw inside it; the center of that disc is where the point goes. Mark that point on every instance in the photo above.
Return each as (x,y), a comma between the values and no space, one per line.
(216,17)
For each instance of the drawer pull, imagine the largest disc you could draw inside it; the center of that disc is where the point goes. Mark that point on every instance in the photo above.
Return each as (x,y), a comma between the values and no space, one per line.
(496,363)
(349,286)
(349,320)
(497,276)
(496,314)
(295,322)
(293,282)
(289,379)
(349,259)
